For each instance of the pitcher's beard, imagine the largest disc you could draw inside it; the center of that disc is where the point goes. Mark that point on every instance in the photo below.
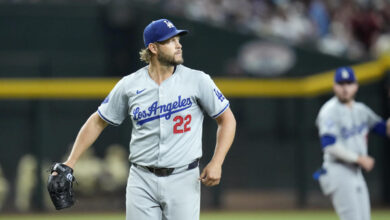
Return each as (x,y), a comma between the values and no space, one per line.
(167,60)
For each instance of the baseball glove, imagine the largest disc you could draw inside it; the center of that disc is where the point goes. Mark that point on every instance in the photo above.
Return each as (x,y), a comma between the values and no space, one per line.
(60,186)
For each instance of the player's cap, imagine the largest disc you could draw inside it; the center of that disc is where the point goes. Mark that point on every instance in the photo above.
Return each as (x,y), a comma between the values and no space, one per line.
(160,30)
(344,74)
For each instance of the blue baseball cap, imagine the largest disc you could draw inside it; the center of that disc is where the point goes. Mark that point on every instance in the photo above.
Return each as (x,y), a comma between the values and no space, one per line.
(160,30)
(344,74)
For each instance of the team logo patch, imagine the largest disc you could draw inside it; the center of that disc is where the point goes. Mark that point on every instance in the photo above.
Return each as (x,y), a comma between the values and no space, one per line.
(219,95)
(106,100)
(169,24)
(344,74)
(156,111)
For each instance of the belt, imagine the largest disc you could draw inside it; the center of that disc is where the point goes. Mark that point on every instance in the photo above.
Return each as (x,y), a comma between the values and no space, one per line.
(159,171)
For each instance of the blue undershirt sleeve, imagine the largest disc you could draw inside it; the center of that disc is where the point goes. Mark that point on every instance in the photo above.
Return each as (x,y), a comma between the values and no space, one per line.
(327,140)
(380,128)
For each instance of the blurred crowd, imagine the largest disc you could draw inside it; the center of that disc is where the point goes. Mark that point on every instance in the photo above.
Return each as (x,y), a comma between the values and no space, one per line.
(351,28)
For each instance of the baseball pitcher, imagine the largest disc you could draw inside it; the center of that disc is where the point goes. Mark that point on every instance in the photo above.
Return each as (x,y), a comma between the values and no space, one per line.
(343,126)
(166,102)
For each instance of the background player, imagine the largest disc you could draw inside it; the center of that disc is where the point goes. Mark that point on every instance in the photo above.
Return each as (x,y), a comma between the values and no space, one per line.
(343,128)
(165,102)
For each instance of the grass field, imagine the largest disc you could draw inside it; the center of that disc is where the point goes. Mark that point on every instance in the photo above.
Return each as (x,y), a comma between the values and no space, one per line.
(263,215)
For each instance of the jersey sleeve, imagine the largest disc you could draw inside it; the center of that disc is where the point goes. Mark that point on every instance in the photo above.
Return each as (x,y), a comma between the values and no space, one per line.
(372,118)
(210,97)
(327,124)
(114,108)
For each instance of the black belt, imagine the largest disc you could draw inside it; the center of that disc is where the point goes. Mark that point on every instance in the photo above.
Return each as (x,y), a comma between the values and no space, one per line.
(159,171)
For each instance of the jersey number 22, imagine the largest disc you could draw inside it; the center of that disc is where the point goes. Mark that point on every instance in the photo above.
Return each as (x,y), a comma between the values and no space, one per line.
(179,127)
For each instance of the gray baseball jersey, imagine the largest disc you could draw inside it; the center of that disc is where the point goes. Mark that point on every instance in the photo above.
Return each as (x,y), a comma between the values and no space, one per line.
(167,119)
(350,126)
(342,181)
